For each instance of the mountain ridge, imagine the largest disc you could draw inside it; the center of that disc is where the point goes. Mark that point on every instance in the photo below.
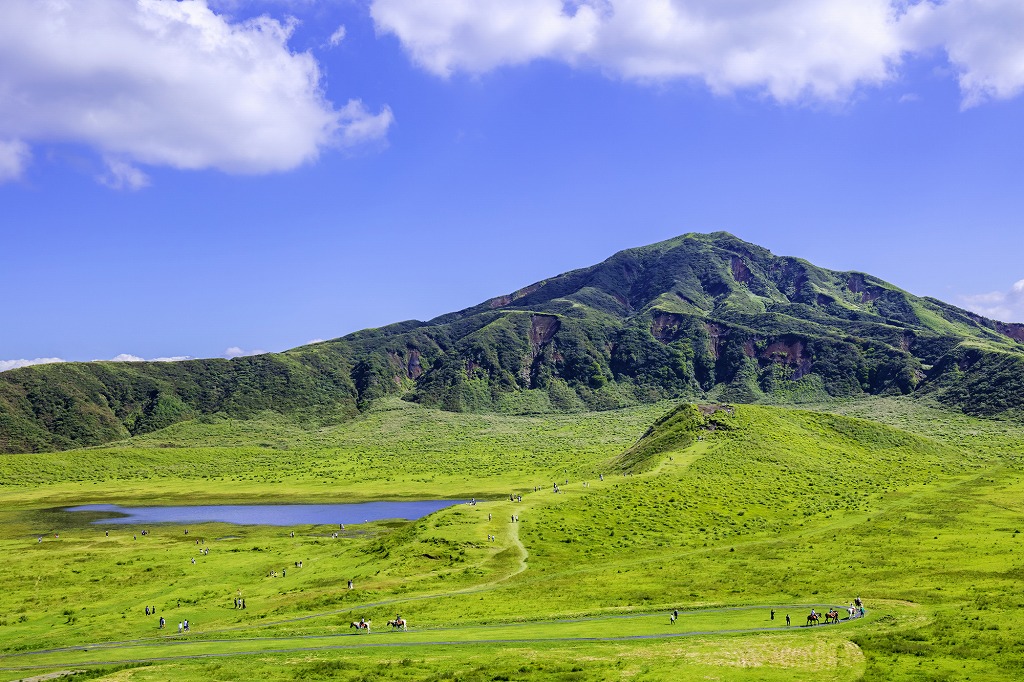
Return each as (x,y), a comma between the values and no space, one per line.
(699,316)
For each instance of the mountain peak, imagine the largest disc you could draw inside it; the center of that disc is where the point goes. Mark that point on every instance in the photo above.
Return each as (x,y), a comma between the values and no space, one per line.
(705,316)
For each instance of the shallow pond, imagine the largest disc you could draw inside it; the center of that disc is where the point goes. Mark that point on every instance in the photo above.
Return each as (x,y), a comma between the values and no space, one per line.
(267,514)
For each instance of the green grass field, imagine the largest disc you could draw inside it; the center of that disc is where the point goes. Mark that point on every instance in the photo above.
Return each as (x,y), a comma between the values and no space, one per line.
(913,509)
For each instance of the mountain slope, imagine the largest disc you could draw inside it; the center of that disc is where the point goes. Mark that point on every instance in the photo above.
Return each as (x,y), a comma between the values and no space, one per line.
(707,316)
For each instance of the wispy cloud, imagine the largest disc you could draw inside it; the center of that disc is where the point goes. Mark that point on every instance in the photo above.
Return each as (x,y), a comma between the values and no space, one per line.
(123,175)
(14,157)
(337,36)
(1006,306)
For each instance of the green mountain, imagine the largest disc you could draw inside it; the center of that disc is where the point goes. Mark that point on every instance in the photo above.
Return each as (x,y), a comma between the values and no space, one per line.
(703,316)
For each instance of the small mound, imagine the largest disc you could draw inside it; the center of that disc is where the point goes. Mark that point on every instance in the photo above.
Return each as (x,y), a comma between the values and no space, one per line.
(676,430)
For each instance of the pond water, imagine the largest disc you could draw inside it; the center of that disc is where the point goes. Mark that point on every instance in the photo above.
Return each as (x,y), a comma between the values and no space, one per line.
(267,514)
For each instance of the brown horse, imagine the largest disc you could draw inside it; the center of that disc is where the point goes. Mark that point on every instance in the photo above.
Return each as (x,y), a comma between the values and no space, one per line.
(399,623)
(360,625)
(813,619)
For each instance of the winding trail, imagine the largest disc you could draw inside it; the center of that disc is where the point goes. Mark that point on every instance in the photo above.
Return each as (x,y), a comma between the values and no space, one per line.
(445,636)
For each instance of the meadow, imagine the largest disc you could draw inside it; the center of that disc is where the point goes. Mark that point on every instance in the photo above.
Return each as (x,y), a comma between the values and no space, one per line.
(915,510)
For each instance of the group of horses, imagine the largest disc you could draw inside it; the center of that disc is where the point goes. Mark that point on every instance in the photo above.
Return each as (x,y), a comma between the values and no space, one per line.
(831,617)
(397,623)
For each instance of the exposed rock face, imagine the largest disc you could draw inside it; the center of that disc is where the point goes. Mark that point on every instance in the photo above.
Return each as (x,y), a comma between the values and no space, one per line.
(740,271)
(718,335)
(413,368)
(542,330)
(665,326)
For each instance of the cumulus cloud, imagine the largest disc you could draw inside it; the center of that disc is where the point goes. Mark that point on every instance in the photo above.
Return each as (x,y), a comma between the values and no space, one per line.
(236,352)
(164,83)
(1006,306)
(14,364)
(984,40)
(121,357)
(127,357)
(790,49)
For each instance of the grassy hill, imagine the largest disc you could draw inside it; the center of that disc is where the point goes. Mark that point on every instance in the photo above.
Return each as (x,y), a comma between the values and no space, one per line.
(700,316)
(722,511)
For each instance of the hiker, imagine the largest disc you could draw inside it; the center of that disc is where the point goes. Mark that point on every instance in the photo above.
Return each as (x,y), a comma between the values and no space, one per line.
(787,619)
(147,610)
(350,584)
(773,614)
(162,622)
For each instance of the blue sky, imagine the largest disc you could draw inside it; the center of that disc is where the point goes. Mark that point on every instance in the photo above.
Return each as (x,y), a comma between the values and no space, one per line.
(215,178)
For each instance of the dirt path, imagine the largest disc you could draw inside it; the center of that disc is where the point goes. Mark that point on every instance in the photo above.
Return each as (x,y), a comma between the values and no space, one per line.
(358,643)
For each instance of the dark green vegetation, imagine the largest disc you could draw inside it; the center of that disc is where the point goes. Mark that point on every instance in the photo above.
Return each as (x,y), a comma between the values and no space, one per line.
(722,511)
(706,317)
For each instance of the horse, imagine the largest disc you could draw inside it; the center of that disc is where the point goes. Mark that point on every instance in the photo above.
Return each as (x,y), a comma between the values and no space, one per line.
(813,619)
(832,617)
(360,625)
(399,623)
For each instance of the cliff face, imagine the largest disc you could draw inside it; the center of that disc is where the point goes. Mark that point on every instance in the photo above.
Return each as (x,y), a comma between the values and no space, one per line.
(707,316)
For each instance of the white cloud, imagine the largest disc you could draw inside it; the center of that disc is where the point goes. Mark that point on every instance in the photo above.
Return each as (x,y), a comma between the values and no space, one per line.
(127,357)
(361,126)
(1006,306)
(337,36)
(984,40)
(14,156)
(122,175)
(14,364)
(788,48)
(122,357)
(164,83)
(236,352)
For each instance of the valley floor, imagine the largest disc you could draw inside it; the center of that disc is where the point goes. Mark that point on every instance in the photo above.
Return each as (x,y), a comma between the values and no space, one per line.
(776,509)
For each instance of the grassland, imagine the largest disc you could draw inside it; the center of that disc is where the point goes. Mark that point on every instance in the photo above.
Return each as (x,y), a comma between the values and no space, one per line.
(913,509)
